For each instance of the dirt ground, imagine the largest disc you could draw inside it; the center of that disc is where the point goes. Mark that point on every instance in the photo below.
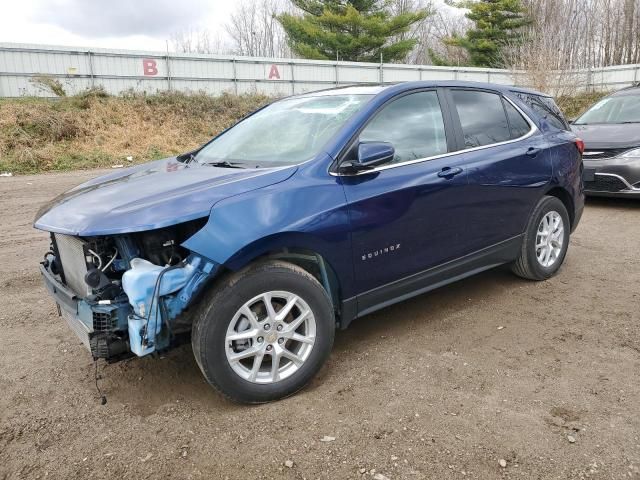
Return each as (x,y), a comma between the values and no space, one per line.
(442,386)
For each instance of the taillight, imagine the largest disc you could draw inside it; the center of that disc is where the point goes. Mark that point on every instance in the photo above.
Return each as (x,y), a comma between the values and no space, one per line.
(580,145)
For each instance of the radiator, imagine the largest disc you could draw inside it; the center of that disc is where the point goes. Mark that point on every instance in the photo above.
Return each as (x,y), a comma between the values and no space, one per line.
(74,265)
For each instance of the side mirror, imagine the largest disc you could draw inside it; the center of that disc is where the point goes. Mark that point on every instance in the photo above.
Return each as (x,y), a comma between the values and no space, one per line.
(372,154)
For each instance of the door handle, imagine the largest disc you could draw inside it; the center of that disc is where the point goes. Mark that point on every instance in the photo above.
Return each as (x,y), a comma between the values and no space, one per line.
(532,152)
(449,172)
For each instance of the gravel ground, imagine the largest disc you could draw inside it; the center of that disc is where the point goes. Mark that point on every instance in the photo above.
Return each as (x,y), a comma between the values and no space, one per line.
(540,377)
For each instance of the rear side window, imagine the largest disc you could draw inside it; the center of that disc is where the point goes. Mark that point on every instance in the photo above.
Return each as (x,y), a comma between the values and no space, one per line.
(413,124)
(482,117)
(518,125)
(546,108)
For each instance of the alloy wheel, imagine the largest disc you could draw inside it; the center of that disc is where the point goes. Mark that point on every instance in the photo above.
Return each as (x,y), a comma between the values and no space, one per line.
(270,337)
(549,239)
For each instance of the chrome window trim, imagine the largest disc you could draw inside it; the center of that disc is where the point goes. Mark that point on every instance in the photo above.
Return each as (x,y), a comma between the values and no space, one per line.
(630,188)
(533,129)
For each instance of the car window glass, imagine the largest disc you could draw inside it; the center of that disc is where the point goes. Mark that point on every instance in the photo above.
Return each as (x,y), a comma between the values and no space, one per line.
(519,126)
(482,117)
(621,109)
(413,124)
(287,132)
(546,108)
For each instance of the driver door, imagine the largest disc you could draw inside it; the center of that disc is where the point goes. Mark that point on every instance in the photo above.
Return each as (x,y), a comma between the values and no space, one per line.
(409,215)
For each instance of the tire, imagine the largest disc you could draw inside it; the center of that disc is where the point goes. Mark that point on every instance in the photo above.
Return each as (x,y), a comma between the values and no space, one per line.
(222,316)
(528,264)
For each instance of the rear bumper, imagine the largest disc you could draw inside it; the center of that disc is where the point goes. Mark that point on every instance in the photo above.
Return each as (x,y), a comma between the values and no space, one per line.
(612,177)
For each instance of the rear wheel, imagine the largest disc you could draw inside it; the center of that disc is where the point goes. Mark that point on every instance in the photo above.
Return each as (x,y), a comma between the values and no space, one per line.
(545,242)
(264,332)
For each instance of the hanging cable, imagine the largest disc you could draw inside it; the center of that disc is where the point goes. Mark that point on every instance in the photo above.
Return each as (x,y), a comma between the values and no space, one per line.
(103,398)
(115,254)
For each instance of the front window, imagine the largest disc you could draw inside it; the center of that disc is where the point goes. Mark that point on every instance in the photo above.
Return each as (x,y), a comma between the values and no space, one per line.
(413,124)
(287,132)
(622,109)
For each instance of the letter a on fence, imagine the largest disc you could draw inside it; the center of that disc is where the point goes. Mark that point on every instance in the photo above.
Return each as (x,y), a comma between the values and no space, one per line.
(274,73)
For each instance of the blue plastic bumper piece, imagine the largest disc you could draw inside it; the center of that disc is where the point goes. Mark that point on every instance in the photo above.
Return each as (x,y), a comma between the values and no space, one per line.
(155,292)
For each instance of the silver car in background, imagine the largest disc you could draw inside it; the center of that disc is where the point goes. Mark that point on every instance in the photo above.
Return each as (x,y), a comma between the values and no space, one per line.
(611,133)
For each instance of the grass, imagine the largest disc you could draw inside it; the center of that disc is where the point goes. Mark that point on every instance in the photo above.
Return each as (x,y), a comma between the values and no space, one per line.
(94,130)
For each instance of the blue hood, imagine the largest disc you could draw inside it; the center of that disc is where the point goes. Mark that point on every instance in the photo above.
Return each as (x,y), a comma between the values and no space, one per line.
(153,195)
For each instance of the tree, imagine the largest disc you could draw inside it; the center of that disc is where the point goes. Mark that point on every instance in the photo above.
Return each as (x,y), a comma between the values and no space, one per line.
(496,24)
(197,41)
(352,30)
(255,31)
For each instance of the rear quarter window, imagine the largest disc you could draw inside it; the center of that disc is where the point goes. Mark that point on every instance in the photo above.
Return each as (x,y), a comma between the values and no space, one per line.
(546,108)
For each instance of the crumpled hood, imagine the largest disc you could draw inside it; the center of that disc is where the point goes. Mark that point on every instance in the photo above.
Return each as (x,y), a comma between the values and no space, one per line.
(153,195)
(608,136)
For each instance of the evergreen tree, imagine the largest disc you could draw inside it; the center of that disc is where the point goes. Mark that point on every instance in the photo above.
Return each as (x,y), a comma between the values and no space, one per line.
(352,30)
(496,25)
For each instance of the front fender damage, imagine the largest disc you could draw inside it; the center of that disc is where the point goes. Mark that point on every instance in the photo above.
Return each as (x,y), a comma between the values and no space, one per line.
(156,293)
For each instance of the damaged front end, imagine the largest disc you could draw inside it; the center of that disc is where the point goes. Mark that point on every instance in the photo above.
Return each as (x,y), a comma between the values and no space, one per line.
(126,293)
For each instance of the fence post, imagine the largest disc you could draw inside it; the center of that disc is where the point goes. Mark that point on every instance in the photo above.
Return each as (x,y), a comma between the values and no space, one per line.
(293,79)
(635,75)
(336,70)
(235,75)
(168,72)
(91,73)
(381,72)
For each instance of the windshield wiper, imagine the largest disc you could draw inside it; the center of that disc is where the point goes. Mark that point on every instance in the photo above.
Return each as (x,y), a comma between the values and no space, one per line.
(225,164)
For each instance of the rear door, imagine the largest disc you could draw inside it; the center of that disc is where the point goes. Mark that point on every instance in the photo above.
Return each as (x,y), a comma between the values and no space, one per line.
(508,164)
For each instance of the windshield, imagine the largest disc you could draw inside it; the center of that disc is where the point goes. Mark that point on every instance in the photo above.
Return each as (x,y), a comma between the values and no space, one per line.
(284,133)
(622,109)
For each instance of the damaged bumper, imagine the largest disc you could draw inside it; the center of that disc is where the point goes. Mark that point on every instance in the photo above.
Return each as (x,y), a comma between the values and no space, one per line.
(97,326)
(135,308)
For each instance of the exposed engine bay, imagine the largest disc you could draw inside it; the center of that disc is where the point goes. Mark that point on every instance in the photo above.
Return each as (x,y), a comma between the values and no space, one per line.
(126,293)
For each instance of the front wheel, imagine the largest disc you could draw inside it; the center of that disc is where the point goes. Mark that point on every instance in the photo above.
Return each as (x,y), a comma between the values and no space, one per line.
(264,332)
(545,241)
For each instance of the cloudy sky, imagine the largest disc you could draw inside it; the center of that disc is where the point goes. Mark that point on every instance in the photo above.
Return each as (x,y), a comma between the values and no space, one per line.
(132,24)
(129,24)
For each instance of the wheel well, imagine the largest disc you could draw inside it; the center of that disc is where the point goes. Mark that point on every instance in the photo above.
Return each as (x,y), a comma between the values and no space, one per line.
(313,263)
(562,195)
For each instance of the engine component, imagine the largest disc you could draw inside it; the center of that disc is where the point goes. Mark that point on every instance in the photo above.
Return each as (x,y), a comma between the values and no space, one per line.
(96,279)
(108,346)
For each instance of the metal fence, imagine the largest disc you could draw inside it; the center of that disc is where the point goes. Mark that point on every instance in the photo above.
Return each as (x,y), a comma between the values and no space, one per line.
(118,71)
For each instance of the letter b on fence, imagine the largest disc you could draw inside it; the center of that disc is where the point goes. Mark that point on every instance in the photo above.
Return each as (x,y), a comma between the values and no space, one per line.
(149,67)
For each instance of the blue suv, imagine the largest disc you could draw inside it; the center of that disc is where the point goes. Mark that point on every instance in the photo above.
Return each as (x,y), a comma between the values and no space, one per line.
(309,213)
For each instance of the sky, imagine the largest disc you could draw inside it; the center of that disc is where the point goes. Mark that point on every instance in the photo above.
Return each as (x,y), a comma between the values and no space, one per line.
(129,24)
